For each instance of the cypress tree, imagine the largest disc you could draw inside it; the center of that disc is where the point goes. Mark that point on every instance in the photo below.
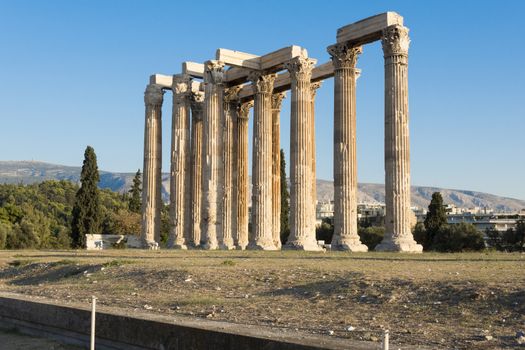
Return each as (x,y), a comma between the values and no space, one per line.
(86,211)
(436,217)
(285,203)
(135,200)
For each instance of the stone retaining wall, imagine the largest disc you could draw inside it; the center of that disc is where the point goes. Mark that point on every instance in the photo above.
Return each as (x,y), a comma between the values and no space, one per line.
(119,331)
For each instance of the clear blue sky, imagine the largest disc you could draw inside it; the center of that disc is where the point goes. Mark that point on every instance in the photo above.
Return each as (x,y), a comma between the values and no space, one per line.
(72,73)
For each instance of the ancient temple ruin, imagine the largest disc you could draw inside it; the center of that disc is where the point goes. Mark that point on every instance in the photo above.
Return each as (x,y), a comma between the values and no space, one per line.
(209,148)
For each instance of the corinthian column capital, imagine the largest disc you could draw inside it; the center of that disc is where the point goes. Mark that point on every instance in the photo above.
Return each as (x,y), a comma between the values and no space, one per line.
(244,110)
(181,88)
(262,83)
(314,87)
(277,100)
(300,68)
(197,104)
(395,41)
(344,56)
(154,95)
(231,94)
(213,72)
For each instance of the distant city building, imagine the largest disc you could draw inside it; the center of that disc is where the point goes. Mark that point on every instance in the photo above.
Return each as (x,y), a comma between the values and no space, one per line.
(373,214)
(490,221)
(481,217)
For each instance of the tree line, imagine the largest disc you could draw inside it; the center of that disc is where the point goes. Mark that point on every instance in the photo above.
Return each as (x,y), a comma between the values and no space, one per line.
(56,214)
(435,234)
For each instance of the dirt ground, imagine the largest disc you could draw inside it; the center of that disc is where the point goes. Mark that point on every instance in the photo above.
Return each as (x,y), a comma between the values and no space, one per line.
(453,301)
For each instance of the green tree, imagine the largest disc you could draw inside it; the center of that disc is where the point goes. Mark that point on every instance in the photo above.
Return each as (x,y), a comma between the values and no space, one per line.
(5,230)
(86,211)
(135,200)
(371,236)
(420,235)
(435,220)
(520,233)
(325,232)
(285,202)
(514,238)
(23,236)
(458,238)
(494,239)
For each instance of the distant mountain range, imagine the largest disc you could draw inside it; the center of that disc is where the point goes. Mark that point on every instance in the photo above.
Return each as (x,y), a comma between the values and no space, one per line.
(27,172)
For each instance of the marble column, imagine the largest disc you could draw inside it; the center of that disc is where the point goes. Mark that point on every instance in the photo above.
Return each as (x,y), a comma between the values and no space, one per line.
(313,91)
(152,177)
(345,237)
(212,159)
(398,235)
(276,166)
(240,237)
(302,234)
(197,107)
(261,236)
(231,100)
(180,163)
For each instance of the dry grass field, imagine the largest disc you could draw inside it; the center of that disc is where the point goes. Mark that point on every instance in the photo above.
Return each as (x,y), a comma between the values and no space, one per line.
(453,301)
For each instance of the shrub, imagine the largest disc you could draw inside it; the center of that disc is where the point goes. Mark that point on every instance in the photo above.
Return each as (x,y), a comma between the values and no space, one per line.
(5,229)
(371,236)
(458,238)
(325,231)
(421,236)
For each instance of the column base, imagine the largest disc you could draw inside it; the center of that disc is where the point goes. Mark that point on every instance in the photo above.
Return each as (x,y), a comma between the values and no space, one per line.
(404,246)
(209,246)
(261,246)
(150,245)
(177,244)
(348,244)
(306,246)
(226,246)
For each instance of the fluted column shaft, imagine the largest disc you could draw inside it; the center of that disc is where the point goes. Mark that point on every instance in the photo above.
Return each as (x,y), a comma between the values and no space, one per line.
(398,236)
(345,236)
(313,91)
(197,106)
(302,233)
(241,144)
(213,167)
(262,236)
(231,101)
(276,167)
(180,189)
(152,181)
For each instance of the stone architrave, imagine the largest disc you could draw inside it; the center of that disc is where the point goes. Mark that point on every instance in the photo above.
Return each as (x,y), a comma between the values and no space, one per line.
(345,237)
(152,181)
(212,159)
(197,108)
(180,209)
(231,102)
(240,236)
(398,236)
(302,233)
(276,166)
(262,236)
(313,90)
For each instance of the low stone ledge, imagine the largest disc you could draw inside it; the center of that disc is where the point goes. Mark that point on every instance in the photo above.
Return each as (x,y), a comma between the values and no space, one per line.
(119,330)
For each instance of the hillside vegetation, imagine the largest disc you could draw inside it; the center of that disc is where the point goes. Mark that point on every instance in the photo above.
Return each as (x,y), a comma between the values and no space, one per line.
(39,215)
(26,172)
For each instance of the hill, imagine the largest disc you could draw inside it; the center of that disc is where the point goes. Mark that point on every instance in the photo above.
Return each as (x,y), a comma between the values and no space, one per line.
(31,172)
